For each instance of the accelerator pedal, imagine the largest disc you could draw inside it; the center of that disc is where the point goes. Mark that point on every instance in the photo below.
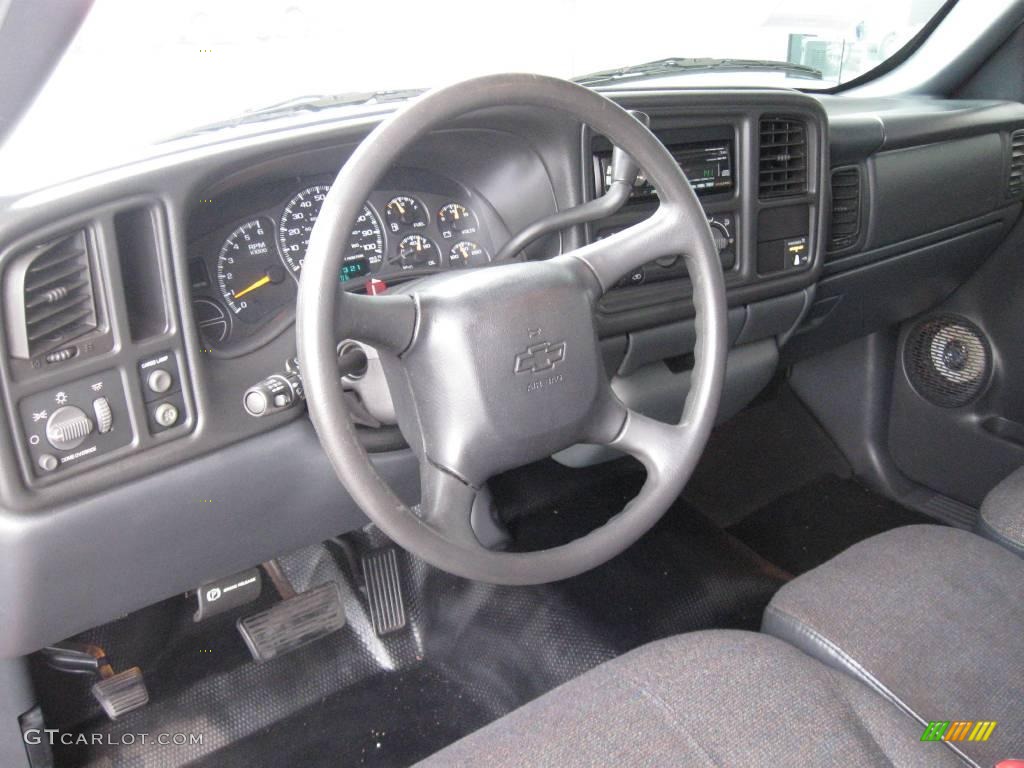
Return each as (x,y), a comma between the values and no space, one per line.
(298,620)
(384,591)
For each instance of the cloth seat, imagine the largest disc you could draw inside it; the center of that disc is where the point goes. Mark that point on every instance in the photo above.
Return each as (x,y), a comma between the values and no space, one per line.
(720,697)
(931,618)
(1002,513)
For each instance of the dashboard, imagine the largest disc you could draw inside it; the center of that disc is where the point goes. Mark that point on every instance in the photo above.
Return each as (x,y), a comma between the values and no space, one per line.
(142,303)
(243,274)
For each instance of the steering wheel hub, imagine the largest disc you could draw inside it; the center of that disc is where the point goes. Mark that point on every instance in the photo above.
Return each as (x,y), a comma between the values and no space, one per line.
(504,368)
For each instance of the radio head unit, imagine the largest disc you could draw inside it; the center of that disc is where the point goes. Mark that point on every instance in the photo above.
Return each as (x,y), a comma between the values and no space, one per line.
(707,164)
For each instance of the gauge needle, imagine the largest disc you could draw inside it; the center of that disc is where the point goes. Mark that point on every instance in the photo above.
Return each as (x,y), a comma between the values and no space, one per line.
(258,284)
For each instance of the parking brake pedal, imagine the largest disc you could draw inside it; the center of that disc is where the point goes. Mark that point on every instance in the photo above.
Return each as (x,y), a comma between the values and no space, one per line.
(299,619)
(384,591)
(118,693)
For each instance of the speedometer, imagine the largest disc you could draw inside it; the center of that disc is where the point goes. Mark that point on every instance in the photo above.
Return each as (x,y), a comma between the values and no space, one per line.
(366,243)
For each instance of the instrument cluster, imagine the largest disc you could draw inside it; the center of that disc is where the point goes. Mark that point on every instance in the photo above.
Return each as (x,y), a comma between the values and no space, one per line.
(244,275)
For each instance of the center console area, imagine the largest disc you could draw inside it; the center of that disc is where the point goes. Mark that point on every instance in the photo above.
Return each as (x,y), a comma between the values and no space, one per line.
(758,165)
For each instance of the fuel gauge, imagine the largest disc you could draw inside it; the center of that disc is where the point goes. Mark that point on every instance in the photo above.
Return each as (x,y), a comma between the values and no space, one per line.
(404,212)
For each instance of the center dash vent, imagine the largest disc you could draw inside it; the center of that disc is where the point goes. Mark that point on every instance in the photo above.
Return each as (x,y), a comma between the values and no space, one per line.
(782,164)
(845,208)
(1015,185)
(48,296)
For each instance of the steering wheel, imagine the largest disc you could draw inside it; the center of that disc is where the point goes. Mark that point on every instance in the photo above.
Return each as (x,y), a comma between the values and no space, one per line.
(498,367)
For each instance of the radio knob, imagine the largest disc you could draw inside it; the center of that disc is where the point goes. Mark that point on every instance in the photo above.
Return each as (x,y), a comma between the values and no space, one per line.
(68,427)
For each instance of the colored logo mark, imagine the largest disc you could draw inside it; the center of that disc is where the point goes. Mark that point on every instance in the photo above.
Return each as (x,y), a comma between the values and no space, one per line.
(958,730)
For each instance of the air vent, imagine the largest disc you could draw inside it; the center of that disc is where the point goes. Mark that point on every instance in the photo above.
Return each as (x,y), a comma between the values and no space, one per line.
(49,296)
(1015,186)
(845,208)
(782,166)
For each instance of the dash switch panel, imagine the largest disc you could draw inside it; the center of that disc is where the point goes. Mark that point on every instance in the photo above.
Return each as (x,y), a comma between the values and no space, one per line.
(75,422)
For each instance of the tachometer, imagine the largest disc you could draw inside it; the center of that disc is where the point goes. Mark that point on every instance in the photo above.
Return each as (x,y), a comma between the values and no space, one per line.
(366,244)
(250,278)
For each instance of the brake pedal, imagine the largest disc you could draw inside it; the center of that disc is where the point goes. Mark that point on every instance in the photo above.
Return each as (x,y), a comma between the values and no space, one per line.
(294,622)
(384,591)
(121,693)
(118,693)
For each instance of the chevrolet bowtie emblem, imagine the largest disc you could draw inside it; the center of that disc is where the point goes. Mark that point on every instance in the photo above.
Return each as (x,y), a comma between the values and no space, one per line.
(540,357)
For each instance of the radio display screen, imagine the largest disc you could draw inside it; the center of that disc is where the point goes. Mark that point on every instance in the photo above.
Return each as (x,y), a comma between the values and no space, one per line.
(707,164)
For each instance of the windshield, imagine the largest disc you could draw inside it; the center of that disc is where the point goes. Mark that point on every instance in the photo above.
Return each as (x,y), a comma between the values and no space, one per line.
(141,72)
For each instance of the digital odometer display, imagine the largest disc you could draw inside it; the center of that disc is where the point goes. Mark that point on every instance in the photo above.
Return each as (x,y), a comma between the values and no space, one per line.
(354,269)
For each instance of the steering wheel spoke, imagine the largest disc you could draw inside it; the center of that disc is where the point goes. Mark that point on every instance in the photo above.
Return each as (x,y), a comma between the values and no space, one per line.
(654,443)
(615,256)
(446,504)
(387,321)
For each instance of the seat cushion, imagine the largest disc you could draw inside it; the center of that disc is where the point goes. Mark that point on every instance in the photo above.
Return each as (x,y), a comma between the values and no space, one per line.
(930,617)
(706,698)
(1002,513)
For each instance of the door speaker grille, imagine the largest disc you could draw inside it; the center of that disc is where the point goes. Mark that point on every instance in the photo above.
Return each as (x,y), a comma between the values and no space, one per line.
(948,360)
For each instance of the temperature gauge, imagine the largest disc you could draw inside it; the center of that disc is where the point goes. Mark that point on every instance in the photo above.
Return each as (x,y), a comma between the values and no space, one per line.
(466,253)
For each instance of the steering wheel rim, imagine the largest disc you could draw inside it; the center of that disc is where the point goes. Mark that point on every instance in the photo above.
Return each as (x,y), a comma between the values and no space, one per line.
(403,326)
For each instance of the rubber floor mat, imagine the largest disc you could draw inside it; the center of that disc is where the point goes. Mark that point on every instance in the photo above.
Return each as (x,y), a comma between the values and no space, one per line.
(804,529)
(767,451)
(470,652)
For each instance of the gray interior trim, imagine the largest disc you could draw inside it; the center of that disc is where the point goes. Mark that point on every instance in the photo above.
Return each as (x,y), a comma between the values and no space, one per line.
(33,36)
(16,698)
(157,537)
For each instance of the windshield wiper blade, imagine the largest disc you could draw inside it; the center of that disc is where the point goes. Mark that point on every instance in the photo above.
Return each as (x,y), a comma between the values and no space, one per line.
(673,66)
(308,103)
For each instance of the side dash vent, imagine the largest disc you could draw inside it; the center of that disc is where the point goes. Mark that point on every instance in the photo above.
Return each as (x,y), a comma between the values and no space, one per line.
(49,296)
(846,206)
(782,161)
(1015,185)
